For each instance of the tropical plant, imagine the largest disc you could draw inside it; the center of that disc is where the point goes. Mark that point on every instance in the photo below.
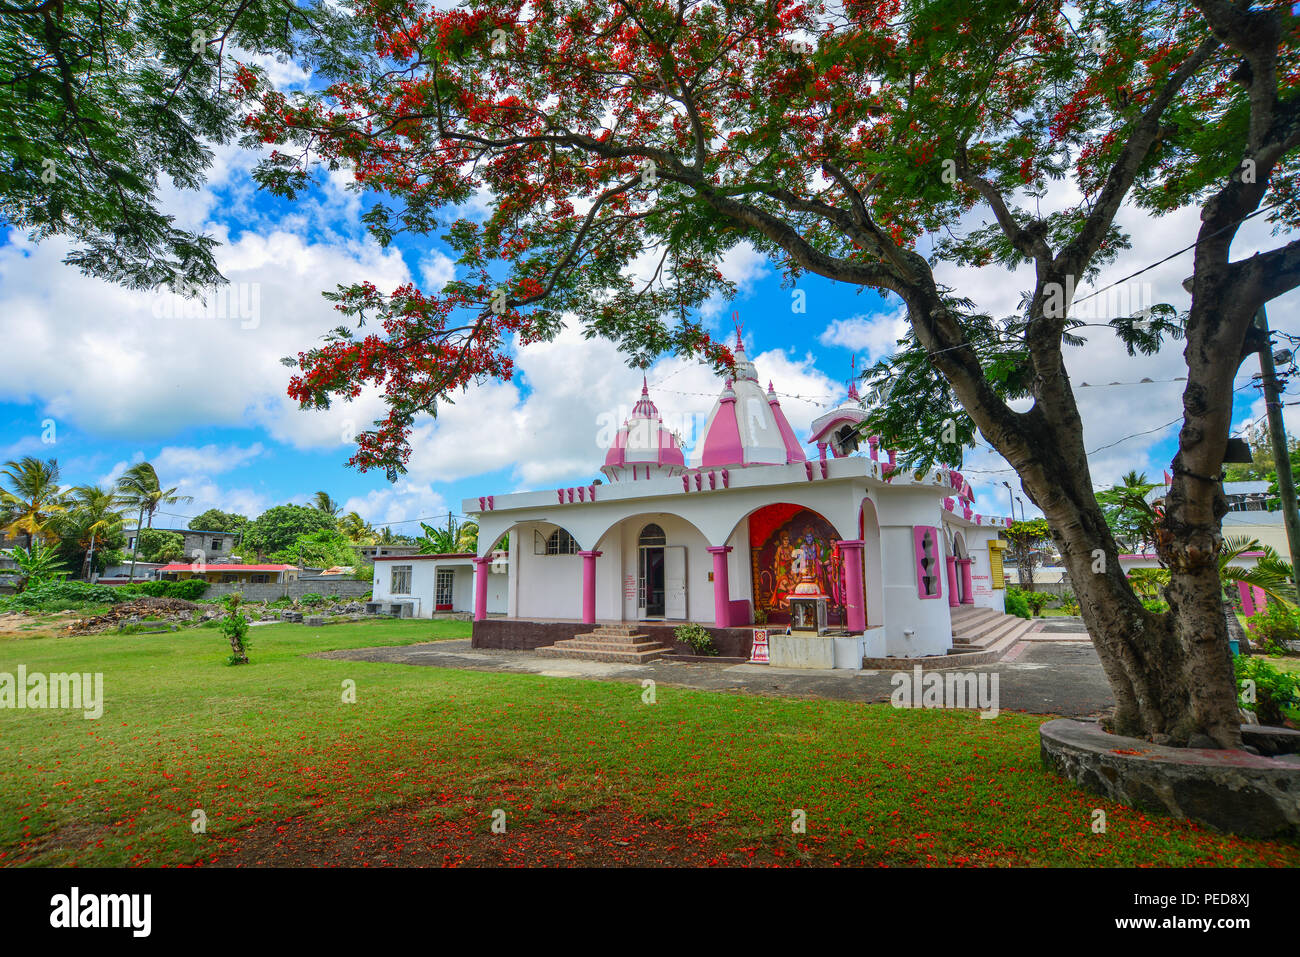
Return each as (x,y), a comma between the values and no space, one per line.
(1014,602)
(140,489)
(1274,626)
(1271,574)
(322,501)
(31,497)
(357,529)
(90,531)
(1132,519)
(37,563)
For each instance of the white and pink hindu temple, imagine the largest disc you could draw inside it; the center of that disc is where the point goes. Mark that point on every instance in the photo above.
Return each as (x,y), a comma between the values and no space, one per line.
(731,536)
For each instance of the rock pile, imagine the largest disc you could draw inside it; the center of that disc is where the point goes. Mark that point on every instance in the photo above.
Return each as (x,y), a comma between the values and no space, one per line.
(129,612)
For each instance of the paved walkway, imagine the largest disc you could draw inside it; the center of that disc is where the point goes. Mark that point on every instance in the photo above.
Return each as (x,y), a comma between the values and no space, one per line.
(1042,677)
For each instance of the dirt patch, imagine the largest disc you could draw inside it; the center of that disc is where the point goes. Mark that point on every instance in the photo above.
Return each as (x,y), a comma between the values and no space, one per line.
(127,612)
(410,837)
(15,624)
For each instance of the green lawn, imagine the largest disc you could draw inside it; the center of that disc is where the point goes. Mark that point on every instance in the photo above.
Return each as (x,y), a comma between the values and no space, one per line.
(274,741)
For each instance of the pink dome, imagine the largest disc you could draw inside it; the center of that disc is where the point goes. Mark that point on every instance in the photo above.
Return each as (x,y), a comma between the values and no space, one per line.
(643,442)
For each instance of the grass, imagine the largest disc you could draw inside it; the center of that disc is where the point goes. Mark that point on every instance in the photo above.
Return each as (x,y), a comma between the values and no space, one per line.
(273,741)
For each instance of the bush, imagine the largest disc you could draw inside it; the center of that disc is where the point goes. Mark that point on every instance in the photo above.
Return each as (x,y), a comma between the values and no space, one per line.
(235,627)
(65,594)
(312,599)
(1069,603)
(1274,625)
(1037,601)
(189,589)
(1015,603)
(701,641)
(1157,605)
(1263,689)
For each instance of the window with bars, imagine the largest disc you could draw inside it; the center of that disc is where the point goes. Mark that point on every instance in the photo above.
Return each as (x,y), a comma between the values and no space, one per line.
(401,580)
(561,542)
(442,588)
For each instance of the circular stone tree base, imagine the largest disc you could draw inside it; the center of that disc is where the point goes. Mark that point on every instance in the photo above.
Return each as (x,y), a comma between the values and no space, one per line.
(1233,791)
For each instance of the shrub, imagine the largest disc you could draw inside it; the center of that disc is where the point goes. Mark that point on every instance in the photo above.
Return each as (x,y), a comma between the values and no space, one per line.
(1274,625)
(701,641)
(1263,689)
(235,627)
(1015,603)
(189,589)
(1037,601)
(65,594)
(1069,603)
(1157,605)
(312,599)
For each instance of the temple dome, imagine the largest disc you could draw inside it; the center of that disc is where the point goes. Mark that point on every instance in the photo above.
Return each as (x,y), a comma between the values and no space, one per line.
(643,441)
(746,426)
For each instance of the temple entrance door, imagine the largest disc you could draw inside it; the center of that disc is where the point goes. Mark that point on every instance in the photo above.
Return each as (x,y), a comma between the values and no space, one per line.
(675,582)
(650,585)
(651,573)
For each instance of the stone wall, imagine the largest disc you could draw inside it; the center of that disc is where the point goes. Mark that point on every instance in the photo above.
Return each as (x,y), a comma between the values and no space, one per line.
(343,588)
(516,634)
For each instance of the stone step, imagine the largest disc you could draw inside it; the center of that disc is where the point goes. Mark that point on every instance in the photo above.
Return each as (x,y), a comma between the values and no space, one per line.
(615,629)
(968,634)
(993,632)
(621,636)
(614,657)
(582,644)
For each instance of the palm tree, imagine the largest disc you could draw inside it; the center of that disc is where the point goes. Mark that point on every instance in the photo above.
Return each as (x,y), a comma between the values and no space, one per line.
(1131,517)
(1271,574)
(322,501)
(95,512)
(356,528)
(33,497)
(140,488)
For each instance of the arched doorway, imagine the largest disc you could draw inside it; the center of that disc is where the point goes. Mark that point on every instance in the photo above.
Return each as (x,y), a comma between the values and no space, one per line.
(651,573)
(789,543)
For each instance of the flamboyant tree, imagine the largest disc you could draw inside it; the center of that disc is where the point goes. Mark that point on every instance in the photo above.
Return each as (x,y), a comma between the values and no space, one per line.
(863,142)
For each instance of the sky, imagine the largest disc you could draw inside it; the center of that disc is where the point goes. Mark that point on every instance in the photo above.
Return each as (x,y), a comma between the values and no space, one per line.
(100,377)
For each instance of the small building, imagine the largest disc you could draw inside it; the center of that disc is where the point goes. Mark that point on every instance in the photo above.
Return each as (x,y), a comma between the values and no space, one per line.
(439,584)
(371,552)
(741,534)
(231,573)
(197,546)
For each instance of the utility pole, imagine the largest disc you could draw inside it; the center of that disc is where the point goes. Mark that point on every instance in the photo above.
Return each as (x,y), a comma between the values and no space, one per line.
(1010,502)
(1277,432)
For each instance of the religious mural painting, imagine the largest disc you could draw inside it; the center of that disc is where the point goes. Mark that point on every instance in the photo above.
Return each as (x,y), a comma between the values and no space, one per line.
(790,545)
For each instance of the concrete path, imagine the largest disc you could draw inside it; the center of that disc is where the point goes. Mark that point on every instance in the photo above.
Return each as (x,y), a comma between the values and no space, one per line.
(1043,677)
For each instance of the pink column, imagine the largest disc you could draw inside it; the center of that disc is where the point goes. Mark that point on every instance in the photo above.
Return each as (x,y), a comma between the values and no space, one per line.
(480,587)
(589,586)
(855,606)
(721,586)
(951,562)
(967,592)
(1247,599)
(1261,599)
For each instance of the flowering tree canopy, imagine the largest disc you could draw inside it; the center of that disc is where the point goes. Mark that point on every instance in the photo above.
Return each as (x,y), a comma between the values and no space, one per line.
(611,140)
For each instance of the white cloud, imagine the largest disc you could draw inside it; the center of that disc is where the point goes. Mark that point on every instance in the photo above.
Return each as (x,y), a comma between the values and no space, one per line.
(210,459)
(874,335)
(436,270)
(112,362)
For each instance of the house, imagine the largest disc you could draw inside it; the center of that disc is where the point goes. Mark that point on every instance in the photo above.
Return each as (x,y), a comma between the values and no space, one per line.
(754,530)
(197,546)
(438,584)
(371,552)
(230,572)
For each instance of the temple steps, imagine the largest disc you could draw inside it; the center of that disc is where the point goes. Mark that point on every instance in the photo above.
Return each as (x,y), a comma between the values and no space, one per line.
(617,643)
(977,630)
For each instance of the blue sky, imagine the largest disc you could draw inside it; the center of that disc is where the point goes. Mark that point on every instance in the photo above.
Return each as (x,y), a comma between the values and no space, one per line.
(100,377)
